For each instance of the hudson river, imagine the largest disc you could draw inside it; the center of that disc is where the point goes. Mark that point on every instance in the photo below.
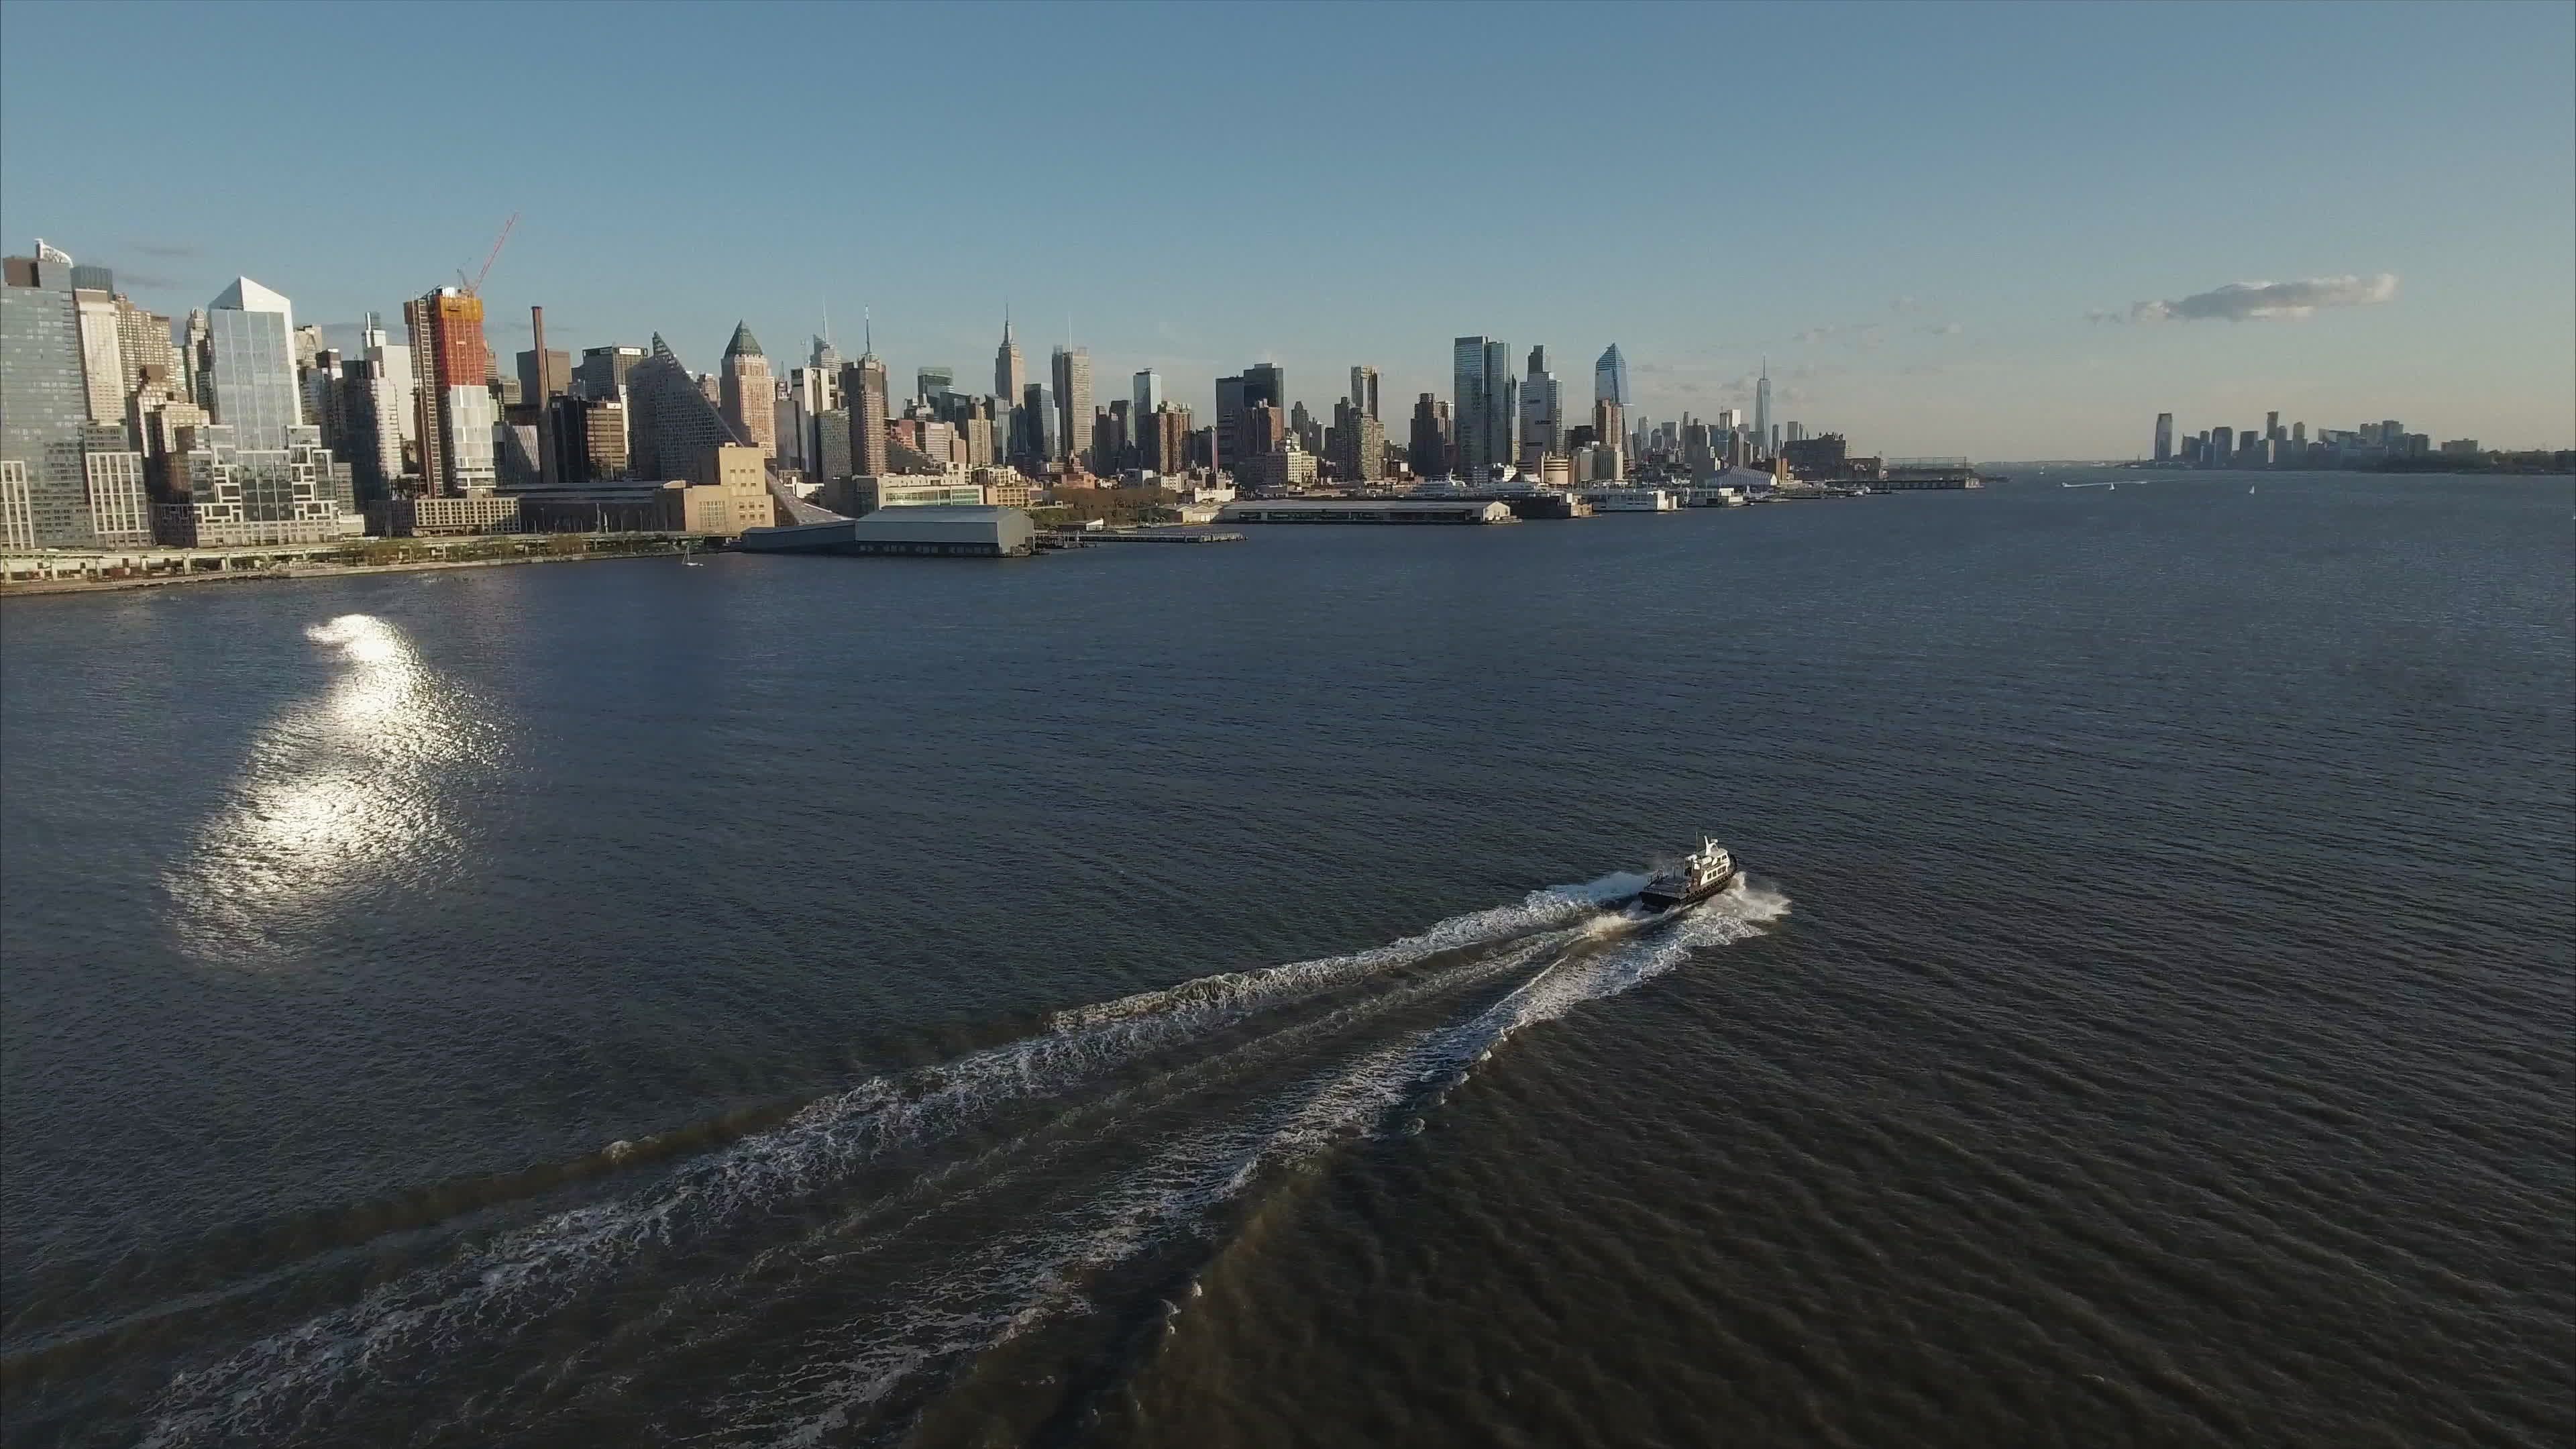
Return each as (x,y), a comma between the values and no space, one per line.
(1157,996)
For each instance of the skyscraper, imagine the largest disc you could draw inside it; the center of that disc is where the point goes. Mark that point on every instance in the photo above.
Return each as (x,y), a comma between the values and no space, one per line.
(44,406)
(1610,378)
(863,389)
(250,362)
(1427,448)
(1762,409)
(934,383)
(1364,389)
(1502,404)
(1145,401)
(1037,424)
(1472,449)
(1229,421)
(1072,372)
(449,364)
(2164,437)
(749,392)
(1542,418)
(1171,440)
(1009,384)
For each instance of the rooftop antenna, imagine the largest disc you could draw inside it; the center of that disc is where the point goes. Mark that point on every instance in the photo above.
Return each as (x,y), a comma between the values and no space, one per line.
(868,331)
(827,321)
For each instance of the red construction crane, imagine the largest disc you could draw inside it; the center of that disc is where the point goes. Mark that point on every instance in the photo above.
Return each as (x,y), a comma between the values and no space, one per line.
(475,288)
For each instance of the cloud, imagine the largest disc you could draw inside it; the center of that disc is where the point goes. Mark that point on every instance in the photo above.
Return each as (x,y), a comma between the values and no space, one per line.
(1817,333)
(1942,329)
(126,277)
(167,250)
(1904,304)
(2243,301)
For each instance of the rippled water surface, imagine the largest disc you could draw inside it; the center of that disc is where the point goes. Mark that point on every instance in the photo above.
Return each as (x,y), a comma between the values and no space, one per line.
(1176,996)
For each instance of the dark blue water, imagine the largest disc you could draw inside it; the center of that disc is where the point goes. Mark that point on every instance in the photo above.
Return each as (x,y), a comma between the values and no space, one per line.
(1161,996)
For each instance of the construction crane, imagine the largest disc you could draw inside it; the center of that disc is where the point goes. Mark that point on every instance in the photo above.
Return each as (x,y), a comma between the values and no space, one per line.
(474,288)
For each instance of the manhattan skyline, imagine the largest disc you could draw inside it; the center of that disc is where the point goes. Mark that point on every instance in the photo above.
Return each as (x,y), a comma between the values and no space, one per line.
(1950,231)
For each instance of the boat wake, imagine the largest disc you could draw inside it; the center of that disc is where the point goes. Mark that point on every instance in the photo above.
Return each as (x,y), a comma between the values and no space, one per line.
(825,1281)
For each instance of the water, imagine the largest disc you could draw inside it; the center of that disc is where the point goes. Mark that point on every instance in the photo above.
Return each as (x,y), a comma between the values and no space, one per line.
(1163,996)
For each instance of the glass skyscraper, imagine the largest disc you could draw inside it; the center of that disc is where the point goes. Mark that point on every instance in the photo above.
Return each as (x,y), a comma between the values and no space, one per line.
(250,360)
(1610,378)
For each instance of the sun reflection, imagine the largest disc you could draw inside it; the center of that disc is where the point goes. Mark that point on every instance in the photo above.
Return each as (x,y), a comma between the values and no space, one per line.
(339,794)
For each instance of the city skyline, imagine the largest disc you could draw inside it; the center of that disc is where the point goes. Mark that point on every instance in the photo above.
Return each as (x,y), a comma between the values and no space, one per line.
(2047,301)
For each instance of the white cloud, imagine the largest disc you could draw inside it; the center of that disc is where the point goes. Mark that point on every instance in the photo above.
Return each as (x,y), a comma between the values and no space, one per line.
(2243,301)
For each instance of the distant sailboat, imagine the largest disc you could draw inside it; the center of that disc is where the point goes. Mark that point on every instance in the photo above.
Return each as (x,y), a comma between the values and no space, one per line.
(2249,487)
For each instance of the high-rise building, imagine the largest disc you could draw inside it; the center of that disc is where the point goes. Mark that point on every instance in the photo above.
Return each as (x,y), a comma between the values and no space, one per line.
(1010,381)
(603,370)
(2272,425)
(44,409)
(1364,390)
(143,343)
(2164,437)
(1072,371)
(2221,451)
(1037,445)
(672,430)
(1145,400)
(747,391)
(1542,419)
(102,355)
(1265,430)
(934,383)
(539,384)
(1610,378)
(1361,452)
(1170,440)
(1762,441)
(250,365)
(863,387)
(449,364)
(1427,449)
(1229,421)
(1471,384)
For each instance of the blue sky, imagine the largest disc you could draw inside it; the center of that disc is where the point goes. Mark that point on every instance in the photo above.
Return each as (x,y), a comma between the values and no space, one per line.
(1919,213)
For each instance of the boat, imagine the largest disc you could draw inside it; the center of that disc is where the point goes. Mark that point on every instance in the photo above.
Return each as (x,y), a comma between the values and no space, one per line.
(1701,874)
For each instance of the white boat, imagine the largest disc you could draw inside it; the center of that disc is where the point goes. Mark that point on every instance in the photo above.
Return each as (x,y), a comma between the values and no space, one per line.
(1701,874)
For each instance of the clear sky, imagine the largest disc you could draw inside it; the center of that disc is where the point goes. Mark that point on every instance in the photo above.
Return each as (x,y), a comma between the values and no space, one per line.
(1938,222)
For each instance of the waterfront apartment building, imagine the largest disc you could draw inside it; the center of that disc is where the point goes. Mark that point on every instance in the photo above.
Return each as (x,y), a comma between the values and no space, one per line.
(225,495)
(44,406)
(2164,437)
(671,427)
(450,367)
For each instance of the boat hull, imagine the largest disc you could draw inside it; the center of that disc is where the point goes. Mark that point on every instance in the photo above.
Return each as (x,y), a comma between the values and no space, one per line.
(1658,902)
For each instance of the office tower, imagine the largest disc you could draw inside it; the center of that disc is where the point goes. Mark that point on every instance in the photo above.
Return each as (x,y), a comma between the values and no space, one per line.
(1762,410)
(1010,384)
(2272,425)
(672,430)
(1427,445)
(1229,421)
(1038,444)
(1610,432)
(1072,369)
(603,370)
(1797,432)
(863,392)
(537,384)
(2299,435)
(1146,399)
(1303,427)
(930,384)
(249,365)
(2222,447)
(2164,437)
(1265,382)
(744,390)
(371,421)
(1265,430)
(1364,389)
(1542,419)
(449,363)
(1470,383)
(1610,378)
(1110,433)
(44,406)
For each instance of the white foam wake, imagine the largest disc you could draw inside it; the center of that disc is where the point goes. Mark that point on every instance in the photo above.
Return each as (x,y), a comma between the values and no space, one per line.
(1042,1274)
(498,1288)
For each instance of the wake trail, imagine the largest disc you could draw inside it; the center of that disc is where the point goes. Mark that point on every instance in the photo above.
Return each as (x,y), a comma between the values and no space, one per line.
(847,1377)
(277,1386)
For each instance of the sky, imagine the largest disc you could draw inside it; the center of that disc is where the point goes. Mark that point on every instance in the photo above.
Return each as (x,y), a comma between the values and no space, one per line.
(1995,231)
